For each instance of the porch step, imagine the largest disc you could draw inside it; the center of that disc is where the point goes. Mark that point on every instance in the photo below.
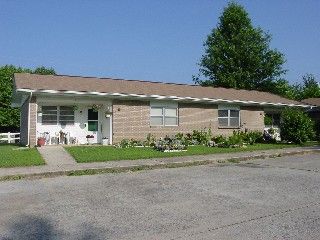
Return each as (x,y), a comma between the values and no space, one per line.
(56,156)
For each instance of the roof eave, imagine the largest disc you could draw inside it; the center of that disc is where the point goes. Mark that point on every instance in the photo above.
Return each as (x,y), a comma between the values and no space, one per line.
(161,97)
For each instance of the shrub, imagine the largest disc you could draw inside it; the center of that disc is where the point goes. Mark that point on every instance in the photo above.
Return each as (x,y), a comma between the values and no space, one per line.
(236,139)
(150,141)
(179,136)
(125,143)
(253,137)
(168,144)
(219,139)
(296,126)
(201,137)
(267,120)
(317,127)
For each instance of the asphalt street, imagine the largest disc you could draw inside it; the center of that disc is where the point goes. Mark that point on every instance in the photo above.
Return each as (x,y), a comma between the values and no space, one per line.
(276,198)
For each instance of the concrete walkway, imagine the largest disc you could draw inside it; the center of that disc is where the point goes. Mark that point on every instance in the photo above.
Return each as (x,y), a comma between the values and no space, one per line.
(56,156)
(59,166)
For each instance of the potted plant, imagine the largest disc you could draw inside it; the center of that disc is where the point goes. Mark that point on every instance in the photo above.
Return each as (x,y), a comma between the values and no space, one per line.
(41,141)
(105,141)
(90,139)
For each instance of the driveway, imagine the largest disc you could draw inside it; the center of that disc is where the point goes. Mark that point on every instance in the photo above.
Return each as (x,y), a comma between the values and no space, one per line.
(262,199)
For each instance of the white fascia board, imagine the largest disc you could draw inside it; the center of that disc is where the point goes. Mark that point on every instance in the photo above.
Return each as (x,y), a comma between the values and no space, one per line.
(50,91)
(161,97)
(137,95)
(157,96)
(119,94)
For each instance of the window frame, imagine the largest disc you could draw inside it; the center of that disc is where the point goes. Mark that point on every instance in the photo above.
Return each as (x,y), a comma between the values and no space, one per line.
(164,116)
(58,121)
(228,117)
(68,122)
(96,121)
(51,122)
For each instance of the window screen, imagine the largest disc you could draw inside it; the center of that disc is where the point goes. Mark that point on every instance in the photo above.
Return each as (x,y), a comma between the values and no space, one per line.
(163,116)
(229,118)
(49,114)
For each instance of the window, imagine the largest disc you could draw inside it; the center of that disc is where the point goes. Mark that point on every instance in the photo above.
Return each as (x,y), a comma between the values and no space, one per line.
(163,116)
(66,115)
(229,117)
(93,118)
(51,115)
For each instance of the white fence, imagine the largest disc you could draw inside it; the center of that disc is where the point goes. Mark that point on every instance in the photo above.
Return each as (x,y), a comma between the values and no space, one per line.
(9,137)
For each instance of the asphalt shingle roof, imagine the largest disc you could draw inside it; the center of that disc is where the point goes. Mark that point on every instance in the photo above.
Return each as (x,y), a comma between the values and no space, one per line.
(109,85)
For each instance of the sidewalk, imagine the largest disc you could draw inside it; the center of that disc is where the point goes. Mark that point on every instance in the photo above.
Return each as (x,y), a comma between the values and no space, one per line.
(52,170)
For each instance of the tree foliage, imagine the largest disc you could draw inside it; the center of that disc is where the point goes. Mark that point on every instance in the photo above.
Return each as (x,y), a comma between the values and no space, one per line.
(10,117)
(296,126)
(308,89)
(44,71)
(237,55)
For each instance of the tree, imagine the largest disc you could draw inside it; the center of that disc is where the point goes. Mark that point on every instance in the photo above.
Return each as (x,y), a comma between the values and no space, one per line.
(237,55)
(296,126)
(309,89)
(10,117)
(44,71)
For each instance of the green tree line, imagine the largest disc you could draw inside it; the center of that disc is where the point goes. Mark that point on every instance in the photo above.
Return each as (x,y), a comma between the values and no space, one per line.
(9,116)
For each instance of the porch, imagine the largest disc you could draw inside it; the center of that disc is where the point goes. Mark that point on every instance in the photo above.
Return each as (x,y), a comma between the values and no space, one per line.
(73,121)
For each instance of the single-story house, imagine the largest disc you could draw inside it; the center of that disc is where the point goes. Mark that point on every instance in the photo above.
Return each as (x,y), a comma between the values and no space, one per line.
(116,109)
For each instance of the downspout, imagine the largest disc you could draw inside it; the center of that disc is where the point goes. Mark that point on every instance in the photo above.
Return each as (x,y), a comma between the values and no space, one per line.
(29,120)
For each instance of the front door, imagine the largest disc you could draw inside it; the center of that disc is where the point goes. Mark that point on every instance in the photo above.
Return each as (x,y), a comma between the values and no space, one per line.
(93,125)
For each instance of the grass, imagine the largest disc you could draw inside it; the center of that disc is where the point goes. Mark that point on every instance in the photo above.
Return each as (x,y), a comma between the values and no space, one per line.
(107,153)
(13,156)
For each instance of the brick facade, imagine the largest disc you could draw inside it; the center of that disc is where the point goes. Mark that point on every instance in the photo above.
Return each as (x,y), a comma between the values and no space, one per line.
(33,122)
(131,119)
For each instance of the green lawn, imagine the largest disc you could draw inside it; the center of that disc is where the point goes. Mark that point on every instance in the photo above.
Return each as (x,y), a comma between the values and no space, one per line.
(108,153)
(12,156)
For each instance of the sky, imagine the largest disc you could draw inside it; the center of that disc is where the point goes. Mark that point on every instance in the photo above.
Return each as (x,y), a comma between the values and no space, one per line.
(146,39)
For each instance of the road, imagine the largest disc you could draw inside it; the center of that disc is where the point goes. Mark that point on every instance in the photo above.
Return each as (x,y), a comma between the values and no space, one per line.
(262,199)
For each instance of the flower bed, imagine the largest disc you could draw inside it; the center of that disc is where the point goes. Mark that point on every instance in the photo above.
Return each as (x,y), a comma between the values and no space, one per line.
(180,141)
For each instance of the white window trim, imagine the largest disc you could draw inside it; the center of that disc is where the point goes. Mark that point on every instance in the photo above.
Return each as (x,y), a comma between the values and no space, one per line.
(229,109)
(171,106)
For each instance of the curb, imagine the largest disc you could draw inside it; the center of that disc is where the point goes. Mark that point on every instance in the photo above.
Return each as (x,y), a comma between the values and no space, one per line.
(134,168)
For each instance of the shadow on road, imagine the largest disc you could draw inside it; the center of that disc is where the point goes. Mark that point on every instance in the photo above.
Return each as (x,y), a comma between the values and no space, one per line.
(31,227)
(38,228)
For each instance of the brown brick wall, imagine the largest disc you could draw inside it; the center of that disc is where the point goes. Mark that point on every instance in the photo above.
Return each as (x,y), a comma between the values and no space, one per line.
(252,118)
(131,120)
(24,123)
(33,122)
